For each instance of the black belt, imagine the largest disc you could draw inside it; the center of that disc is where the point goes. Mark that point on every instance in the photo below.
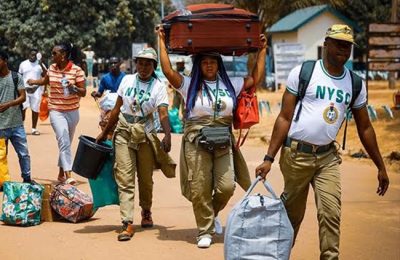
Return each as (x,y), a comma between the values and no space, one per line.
(307,147)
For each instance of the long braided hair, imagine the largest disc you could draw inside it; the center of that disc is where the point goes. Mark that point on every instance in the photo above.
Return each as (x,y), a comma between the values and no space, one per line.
(197,82)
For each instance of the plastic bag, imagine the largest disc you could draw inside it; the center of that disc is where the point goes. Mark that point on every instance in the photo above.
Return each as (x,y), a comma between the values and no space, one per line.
(44,108)
(104,188)
(175,121)
(4,174)
(107,102)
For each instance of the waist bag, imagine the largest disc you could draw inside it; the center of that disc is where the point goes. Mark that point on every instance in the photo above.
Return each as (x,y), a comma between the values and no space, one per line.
(214,138)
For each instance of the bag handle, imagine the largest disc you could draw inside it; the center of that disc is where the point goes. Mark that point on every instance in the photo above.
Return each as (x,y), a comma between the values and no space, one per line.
(266,185)
(240,141)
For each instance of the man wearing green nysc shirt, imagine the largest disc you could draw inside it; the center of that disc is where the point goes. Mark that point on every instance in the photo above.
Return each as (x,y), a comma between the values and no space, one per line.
(309,154)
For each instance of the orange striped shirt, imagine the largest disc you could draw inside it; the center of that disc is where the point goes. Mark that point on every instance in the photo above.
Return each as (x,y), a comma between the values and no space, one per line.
(57,100)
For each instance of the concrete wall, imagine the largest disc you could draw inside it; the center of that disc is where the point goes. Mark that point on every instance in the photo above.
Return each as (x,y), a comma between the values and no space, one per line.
(284,37)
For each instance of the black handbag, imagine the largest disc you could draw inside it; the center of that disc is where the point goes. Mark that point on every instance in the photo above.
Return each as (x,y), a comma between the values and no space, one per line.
(31,90)
(214,138)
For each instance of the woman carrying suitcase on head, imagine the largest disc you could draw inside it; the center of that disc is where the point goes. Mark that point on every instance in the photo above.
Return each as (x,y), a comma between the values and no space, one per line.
(137,148)
(207,173)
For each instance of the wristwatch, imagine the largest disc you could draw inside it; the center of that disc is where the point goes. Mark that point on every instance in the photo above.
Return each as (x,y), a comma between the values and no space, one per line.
(269,158)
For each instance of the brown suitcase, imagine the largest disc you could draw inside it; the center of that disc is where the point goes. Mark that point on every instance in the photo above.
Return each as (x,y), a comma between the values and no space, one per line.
(212,28)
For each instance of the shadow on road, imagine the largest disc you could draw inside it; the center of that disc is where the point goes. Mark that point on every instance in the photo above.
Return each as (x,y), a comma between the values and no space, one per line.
(98,229)
(187,235)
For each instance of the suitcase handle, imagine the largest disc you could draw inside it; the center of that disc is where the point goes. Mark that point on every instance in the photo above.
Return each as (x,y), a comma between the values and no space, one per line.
(266,185)
(215,9)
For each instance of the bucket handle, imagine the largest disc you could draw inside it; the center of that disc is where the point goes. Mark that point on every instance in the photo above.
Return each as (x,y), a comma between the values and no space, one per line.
(266,185)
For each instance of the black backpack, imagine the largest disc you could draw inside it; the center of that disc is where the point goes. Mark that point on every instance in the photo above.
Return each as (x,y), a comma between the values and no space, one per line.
(306,72)
(15,78)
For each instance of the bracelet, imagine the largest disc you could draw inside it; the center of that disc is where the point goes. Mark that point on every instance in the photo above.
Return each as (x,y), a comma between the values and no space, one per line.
(269,158)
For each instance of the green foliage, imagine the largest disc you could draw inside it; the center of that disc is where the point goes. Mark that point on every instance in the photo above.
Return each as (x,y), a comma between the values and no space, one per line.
(271,11)
(364,13)
(109,26)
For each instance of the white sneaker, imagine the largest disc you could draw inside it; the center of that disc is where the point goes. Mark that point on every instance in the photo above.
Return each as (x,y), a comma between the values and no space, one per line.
(218,226)
(204,242)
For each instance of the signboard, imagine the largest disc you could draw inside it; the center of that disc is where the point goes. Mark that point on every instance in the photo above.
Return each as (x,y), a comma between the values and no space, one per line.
(384,41)
(286,57)
(384,66)
(384,53)
(379,28)
(383,47)
(136,47)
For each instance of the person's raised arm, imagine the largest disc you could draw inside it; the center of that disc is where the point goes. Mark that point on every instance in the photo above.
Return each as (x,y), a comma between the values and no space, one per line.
(259,67)
(280,131)
(44,69)
(368,139)
(174,78)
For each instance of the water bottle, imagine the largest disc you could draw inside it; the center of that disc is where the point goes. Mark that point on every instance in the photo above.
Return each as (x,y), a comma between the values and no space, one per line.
(64,84)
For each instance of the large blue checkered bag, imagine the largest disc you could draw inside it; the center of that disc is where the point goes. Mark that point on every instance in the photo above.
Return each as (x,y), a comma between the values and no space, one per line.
(258,228)
(22,203)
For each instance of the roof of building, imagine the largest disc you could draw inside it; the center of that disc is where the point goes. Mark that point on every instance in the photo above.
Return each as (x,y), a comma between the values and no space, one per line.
(298,18)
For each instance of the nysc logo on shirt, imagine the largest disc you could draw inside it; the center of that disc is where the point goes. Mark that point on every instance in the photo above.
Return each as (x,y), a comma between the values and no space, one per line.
(331,114)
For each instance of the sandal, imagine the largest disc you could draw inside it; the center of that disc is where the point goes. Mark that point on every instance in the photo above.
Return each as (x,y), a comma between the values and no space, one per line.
(70,181)
(35,132)
(61,179)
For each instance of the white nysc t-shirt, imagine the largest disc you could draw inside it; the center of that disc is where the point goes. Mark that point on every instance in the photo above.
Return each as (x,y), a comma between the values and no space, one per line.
(150,97)
(205,106)
(324,105)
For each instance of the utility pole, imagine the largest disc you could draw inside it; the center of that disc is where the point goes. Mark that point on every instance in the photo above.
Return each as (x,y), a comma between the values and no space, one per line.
(392,74)
(158,39)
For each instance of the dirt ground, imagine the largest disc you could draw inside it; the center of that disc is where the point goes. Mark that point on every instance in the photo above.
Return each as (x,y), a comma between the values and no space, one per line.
(370,224)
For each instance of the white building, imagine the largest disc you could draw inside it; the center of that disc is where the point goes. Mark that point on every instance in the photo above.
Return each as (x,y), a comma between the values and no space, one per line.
(307,26)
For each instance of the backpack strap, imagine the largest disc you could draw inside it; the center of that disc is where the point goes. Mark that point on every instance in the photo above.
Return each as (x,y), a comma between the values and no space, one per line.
(15,78)
(14,75)
(306,72)
(356,86)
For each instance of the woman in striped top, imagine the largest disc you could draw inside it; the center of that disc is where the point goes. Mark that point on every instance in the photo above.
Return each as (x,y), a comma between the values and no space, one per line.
(67,86)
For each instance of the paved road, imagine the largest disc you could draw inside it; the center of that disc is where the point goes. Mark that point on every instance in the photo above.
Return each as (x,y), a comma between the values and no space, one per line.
(370,226)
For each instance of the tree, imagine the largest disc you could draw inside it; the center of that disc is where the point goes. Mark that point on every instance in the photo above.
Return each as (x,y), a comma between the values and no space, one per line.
(110,26)
(365,12)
